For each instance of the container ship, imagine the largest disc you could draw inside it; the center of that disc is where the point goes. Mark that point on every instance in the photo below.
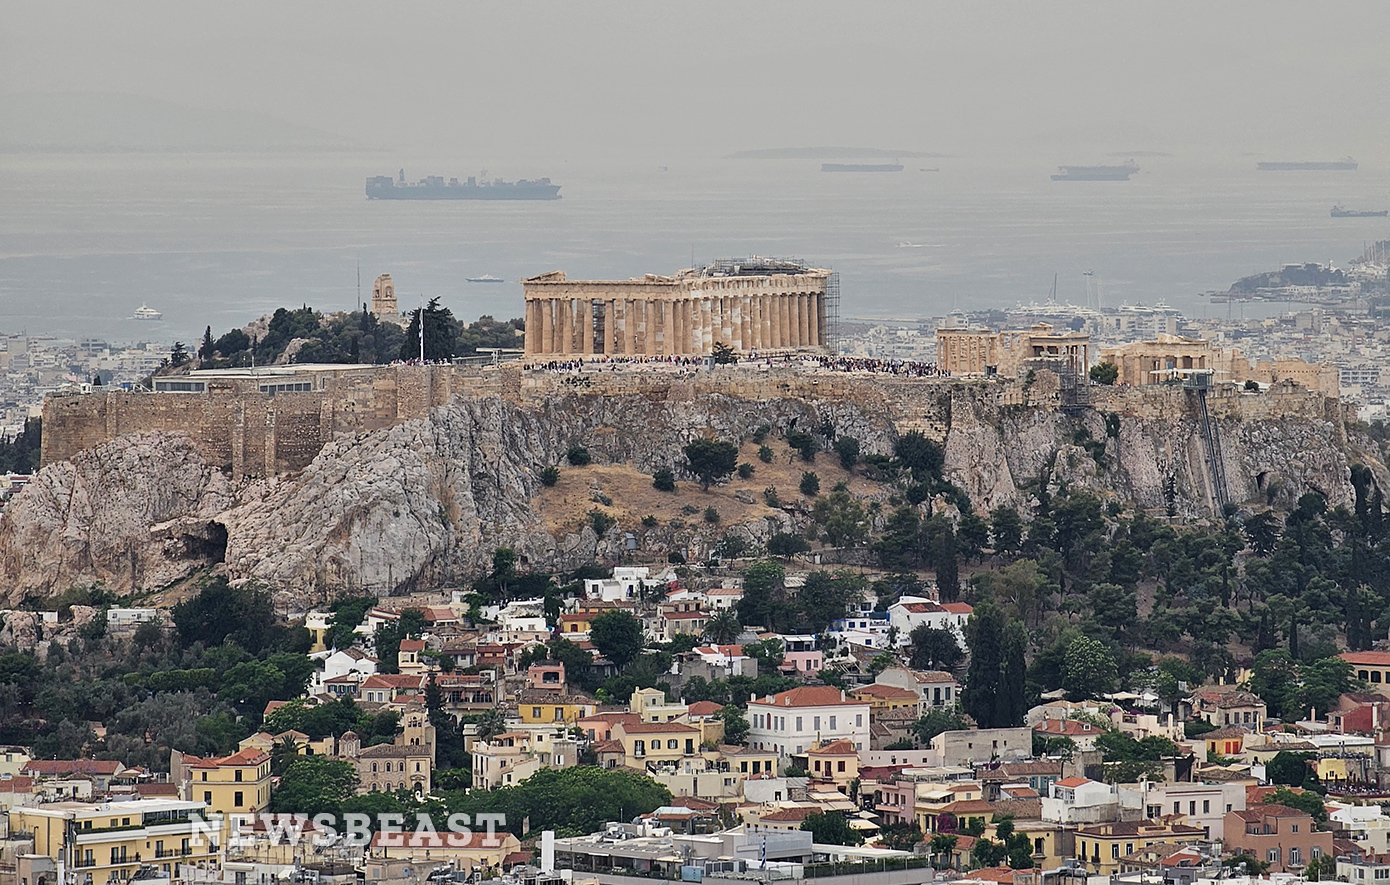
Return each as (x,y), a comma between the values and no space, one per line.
(861,167)
(1339,212)
(1096,173)
(1346,164)
(434,187)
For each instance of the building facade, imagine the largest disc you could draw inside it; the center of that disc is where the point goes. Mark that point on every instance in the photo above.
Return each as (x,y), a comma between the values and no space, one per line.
(753,305)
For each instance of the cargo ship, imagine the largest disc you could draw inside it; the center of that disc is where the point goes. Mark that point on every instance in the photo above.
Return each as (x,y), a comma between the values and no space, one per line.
(434,187)
(1339,212)
(861,167)
(485,278)
(1096,173)
(1346,164)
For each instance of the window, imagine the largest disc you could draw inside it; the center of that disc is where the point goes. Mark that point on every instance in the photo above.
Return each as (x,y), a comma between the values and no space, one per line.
(859,720)
(1272,855)
(798,723)
(1296,856)
(1295,828)
(672,743)
(1115,851)
(207,798)
(832,723)
(1192,807)
(205,775)
(374,768)
(1177,808)
(842,765)
(815,723)
(689,745)
(1129,848)
(535,712)
(237,776)
(236,799)
(1206,806)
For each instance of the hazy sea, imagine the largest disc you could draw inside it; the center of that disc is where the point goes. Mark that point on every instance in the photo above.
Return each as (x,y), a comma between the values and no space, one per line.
(218,240)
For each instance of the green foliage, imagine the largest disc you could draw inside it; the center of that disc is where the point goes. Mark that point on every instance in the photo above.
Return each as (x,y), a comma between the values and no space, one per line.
(735,725)
(578,456)
(244,615)
(847,447)
(664,480)
(770,498)
(1088,669)
(804,443)
(724,355)
(993,693)
(1252,865)
(765,454)
(936,720)
(831,829)
(600,521)
(314,785)
(1062,746)
(550,476)
(932,648)
(710,460)
(760,434)
(843,520)
(617,635)
(20,453)
(1105,373)
(921,455)
(441,333)
(745,470)
(1306,801)
(1290,768)
(810,484)
(1128,760)
(348,613)
(787,545)
(712,514)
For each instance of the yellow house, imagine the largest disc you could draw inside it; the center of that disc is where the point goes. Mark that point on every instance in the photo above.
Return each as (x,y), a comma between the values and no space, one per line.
(1048,840)
(886,697)
(836,761)
(235,784)
(745,760)
(112,840)
(1100,847)
(577,622)
(547,708)
(655,742)
(317,625)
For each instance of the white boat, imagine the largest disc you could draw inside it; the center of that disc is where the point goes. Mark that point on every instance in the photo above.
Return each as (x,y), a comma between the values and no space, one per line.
(486,278)
(144,312)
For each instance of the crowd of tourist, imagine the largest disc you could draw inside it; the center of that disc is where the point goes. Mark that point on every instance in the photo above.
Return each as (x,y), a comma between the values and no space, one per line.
(910,368)
(693,363)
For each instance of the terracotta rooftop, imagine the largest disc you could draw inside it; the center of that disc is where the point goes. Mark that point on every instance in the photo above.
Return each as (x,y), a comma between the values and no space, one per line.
(807,696)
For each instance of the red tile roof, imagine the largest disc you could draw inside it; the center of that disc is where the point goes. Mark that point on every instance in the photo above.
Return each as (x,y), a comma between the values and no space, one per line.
(807,696)
(1066,727)
(658,728)
(835,748)
(1367,658)
(1074,782)
(886,692)
(788,815)
(704,708)
(412,839)
(56,767)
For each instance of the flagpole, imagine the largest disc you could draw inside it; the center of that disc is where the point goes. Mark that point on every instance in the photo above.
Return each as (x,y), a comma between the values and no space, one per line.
(422,328)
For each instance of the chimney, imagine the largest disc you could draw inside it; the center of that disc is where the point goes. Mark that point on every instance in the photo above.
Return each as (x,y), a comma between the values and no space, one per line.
(548,851)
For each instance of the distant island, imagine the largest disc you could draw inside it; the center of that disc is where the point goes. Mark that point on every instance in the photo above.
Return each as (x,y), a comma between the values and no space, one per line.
(824,153)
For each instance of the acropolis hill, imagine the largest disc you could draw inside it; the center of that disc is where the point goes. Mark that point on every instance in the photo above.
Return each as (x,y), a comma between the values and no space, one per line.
(389,478)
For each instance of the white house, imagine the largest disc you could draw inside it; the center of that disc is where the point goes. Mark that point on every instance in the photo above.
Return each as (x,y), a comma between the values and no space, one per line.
(936,688)
(1367,825)
(728,658)
(790,722)
(626,584)
(911,612)
(1203,804)
(1081,800)
(344,662)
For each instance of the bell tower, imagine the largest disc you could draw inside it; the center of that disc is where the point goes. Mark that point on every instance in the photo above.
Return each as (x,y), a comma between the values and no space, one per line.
(384,297)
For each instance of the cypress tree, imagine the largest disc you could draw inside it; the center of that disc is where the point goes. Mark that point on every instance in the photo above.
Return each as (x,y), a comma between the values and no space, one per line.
(1010,703)
(983,633)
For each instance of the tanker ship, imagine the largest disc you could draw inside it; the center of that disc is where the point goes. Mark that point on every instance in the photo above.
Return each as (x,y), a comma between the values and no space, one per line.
(434,187)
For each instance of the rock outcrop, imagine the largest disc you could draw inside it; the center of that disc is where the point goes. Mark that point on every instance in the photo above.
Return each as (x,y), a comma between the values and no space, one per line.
(425,502)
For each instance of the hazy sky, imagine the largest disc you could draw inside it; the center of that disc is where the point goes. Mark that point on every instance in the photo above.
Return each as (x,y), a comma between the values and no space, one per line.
(652,79)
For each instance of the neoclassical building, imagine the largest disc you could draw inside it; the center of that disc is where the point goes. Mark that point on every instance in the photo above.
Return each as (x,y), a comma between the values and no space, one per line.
(755,304)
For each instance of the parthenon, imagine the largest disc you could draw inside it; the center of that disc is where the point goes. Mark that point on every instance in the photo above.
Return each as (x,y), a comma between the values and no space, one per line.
(748,305)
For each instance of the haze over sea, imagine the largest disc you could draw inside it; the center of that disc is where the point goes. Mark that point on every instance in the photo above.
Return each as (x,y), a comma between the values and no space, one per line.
(219,239)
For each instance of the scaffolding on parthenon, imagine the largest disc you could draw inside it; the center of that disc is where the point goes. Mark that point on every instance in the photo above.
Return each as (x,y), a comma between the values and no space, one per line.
(832,313)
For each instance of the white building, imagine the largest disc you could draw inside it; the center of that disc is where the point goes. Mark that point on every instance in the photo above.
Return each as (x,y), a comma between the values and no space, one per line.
(1204,805)
(627,584)
(911,612)
(1367,825)
(791,722)
(1078,800)
(351,662)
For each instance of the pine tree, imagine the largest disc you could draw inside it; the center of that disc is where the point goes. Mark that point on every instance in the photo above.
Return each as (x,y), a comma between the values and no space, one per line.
(205,350)
(440,333)
(1011,703)
(983,633)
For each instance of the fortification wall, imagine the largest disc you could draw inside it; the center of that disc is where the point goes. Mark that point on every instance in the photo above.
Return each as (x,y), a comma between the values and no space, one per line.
(252,434)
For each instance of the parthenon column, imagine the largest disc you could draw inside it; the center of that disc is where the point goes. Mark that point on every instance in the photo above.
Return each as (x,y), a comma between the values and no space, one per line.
(784,304)
(794,320)
(648,328)
(668,335)
(682,326)
(745,323)
(821,338)
(726,320)
(803,317)
(586,326)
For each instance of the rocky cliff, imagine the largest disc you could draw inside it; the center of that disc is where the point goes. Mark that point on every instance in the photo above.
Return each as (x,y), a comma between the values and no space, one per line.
(425,502)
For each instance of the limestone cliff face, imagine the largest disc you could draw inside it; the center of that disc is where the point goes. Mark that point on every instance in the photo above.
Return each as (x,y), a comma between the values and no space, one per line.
(426,502)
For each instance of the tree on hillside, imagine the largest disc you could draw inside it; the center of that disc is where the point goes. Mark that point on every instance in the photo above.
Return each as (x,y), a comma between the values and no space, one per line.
(1011,700)
(723,628)
(1105,373)
(931,648)
(735,724)
(617,635)
(314,785)
(1088,669)
(921,455)
(984,634)
(441,332)
(936,720)
(762,587)
(847,447)
(711,460)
